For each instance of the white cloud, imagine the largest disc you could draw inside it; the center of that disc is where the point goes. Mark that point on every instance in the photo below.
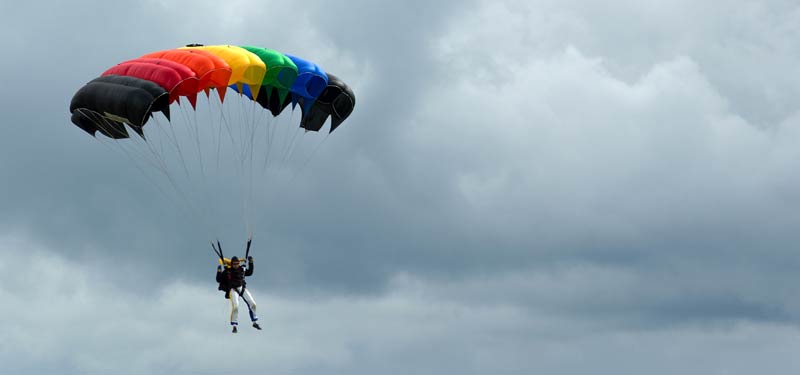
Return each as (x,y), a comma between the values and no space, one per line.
(745,48)
(561,143)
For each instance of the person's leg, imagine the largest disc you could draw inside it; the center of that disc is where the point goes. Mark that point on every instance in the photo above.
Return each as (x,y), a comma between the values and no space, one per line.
(251,305)
(234,307)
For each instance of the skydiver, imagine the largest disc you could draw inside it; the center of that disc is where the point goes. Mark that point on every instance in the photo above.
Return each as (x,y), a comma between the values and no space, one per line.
(232,279)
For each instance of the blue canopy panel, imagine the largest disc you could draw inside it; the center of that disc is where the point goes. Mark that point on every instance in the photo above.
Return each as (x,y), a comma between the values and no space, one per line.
(311,81)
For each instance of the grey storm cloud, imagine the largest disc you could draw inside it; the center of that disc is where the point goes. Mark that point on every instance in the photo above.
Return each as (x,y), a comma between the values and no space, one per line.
(521,183)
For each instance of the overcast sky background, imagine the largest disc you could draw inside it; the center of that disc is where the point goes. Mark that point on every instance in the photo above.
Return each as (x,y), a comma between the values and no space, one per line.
(561,187)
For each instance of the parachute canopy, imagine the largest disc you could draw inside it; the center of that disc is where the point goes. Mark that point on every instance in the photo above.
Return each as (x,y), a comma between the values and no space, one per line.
(215,155)
(132,91)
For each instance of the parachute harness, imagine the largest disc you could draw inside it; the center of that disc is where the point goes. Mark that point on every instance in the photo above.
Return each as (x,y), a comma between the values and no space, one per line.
(218,250)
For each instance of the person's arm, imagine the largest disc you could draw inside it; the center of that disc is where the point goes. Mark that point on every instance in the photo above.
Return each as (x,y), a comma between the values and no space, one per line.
(250,266)
(221,274)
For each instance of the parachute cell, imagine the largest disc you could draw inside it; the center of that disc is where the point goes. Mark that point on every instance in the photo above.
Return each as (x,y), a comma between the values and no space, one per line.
(336,101)
(311,81)
(119,99)
(211,70)
(176,78)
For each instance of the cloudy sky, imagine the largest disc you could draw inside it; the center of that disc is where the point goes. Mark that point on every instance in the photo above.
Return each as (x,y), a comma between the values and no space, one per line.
(561,187)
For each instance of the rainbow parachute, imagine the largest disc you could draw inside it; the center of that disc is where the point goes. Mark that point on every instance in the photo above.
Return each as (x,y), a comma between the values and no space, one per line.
(130,92)
(205,148)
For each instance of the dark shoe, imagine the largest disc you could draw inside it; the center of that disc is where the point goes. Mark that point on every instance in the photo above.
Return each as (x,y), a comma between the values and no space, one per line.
(256,326)
(235,329)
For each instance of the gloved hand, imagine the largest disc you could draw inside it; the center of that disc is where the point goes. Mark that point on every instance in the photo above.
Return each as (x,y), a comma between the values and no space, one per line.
(219,268)
(250,259)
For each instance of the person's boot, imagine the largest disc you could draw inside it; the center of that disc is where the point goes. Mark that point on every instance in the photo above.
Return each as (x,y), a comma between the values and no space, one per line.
(256,326)
(235,330)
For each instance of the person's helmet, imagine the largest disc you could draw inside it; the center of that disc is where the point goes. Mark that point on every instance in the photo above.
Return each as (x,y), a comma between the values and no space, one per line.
(234,259)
